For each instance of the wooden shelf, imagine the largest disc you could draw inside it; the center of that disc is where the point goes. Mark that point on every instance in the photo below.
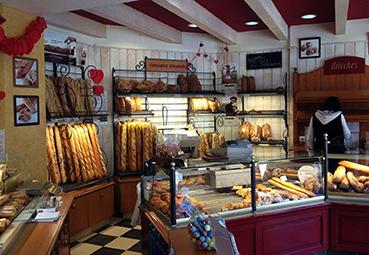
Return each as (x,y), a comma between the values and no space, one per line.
(264,92)
(277,113)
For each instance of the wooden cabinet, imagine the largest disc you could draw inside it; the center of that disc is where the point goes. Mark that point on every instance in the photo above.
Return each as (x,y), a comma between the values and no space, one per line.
(101,205)
(91,207)
(349,227)
(127,192)
(78,217)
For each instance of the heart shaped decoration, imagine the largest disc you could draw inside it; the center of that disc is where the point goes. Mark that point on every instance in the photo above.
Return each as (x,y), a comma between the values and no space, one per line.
(96,75)
(2,95)
(98,90)
(201,44)
(216,61)
(206,55)
(198,54)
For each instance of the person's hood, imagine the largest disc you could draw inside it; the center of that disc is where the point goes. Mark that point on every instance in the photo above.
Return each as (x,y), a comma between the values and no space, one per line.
(326,116)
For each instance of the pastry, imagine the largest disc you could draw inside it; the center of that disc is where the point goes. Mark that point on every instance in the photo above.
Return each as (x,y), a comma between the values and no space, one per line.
(362,169)
(331,186)
(358,186)
(339,174)
(363,179)
(145,86)
(245,131)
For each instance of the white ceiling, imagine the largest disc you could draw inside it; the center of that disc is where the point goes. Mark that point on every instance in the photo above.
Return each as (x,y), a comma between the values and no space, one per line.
(42,7)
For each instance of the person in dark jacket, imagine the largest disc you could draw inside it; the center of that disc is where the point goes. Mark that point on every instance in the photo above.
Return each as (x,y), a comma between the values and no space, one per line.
(331,121)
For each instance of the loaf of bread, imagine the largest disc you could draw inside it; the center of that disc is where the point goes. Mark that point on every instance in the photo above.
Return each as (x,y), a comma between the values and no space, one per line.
(52,166)
(345,184)
(251,86)
(266,132)
(194,84)
(65,137)
(124,147)
(123,86)
(159,87)
(362,169)
(182,83)
(243,87)
(60,155)
(89,97)
(339,174)
(358,186)
(132,146)
(62,89)
(245,131)
(53,105)
(139,147)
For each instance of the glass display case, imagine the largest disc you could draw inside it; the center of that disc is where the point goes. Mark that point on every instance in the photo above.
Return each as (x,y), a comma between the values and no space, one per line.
(234,189)
(348,179)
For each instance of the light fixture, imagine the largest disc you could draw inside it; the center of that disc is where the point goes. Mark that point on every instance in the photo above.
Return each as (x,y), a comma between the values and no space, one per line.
(251,23)
(192,25)
(308,16)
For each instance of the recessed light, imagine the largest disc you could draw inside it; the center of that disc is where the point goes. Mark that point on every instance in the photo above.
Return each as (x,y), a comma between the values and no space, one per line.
(308,16)
(192,25)
(251,23)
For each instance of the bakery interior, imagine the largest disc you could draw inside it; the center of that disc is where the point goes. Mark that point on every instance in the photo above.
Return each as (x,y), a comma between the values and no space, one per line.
(184,127)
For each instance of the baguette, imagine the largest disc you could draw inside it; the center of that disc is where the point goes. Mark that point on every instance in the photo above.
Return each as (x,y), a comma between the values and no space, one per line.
(132,146)
(79,155)
(53,164)
(293,186)
(362,169)
(97,149)
(293,191)
(69,164)
(124,146)
(60,155)
(344,183)
(138,130)
(91,152)
(339,174)
(358,186)
(74,154)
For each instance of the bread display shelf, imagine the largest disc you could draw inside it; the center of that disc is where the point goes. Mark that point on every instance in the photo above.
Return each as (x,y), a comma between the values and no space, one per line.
(140,113)
(76,115)
(205,112)
(76,186)
(264,92)
(271,113)
(168,94)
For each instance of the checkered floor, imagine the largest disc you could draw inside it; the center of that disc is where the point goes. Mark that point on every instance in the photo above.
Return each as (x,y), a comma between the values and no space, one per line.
(118,238)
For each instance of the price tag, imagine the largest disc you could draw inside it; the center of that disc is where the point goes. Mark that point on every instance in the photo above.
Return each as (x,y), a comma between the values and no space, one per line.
(177,95)
(187,207)
(262,169)
(283,178)
(179,177)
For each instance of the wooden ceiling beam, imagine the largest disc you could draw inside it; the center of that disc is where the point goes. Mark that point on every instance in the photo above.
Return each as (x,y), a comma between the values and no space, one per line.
(138,21)
(341,11)
(76,23)
(271,17)
(194,13)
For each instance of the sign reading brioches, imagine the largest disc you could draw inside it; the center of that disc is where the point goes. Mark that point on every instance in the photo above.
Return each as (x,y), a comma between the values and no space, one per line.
(344,65)
(166,65)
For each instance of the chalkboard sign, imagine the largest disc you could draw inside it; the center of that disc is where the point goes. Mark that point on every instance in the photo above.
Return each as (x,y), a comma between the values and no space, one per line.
(264,60)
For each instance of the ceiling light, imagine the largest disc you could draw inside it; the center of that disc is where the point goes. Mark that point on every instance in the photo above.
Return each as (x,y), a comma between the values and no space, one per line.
(308,16)
(192,25)
(251,23)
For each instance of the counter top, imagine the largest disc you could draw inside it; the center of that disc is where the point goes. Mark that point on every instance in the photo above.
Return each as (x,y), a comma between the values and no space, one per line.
(39,238)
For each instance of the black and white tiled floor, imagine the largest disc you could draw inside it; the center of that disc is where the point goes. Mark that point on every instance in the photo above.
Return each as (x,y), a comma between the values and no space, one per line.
(118,238)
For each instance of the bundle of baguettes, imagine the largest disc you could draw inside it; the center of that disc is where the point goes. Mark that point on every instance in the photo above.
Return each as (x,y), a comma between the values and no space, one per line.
(74,154)
(65,95)
(134,145)
(290,187)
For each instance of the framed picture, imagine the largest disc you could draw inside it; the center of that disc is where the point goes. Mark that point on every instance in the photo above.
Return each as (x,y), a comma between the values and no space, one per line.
(309,47)
(26,110)
(229,74)
(25,72)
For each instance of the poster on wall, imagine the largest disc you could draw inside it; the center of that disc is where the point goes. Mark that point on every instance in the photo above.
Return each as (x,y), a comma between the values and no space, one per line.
(60,47)
(25,72)
(26,110)
(229,74)
(264,60)
(309,47)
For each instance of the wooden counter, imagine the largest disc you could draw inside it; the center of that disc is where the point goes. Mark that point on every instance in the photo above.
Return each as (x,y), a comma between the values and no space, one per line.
(39,238)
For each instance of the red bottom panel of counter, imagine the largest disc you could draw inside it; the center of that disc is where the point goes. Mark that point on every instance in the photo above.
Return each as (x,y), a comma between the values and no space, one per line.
(350,227)
(299,231)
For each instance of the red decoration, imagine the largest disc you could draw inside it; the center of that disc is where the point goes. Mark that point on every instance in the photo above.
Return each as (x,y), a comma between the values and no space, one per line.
(97,75)
(201,51)
(344,65)
(2,95)
(98,90)
(24,44)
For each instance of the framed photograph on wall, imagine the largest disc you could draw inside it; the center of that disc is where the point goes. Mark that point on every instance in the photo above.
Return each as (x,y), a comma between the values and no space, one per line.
(26,110)
(25,72)
(309,47)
